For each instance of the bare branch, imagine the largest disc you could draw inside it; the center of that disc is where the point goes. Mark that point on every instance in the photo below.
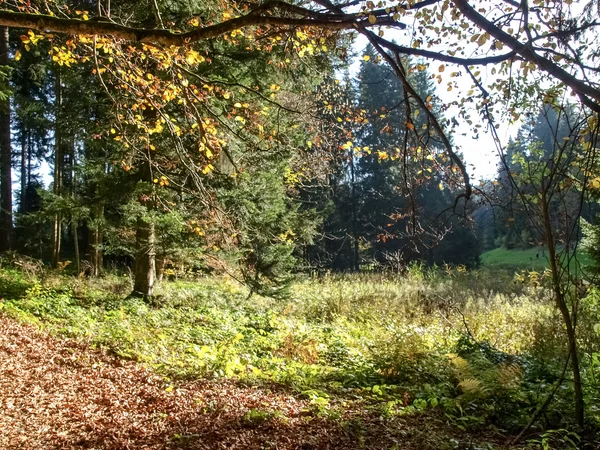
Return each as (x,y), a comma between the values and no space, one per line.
(589,95)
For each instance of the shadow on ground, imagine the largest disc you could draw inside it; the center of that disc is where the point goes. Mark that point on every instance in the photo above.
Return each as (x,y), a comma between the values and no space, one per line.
(59,393)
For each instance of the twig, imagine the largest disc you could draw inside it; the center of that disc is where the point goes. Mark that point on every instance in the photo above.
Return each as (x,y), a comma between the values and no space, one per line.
(545,405)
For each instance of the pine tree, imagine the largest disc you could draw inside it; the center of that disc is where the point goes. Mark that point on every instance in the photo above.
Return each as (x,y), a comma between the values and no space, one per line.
(404,192)
(6,228)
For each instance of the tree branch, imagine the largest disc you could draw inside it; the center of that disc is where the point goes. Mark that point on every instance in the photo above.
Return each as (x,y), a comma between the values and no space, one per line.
(42,22)
(588,95)
(441,56)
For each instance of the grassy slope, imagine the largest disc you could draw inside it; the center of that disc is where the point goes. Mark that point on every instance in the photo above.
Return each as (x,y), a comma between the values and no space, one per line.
(515,258)
(532,258)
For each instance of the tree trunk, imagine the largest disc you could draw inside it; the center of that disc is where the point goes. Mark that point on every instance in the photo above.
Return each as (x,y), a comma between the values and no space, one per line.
(561,303)
(56,240)
(76,245)
(29,149)
(58,171)
(356,262)
(23,196)
(96,240)
(145,258)
(160,268)
(74,220)
(6,230)
(145,269)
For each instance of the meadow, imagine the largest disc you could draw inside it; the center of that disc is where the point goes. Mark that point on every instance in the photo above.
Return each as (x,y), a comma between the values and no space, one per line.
(534,258)
(478,350)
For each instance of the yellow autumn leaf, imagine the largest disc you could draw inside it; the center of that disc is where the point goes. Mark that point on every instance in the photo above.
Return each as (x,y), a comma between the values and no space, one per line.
(372,19)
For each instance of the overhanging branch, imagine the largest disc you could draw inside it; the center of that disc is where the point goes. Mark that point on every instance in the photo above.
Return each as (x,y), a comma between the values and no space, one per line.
(442,56)
(258,17)
(588,94)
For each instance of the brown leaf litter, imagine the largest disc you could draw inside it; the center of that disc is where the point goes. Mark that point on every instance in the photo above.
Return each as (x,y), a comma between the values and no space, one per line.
(58,393)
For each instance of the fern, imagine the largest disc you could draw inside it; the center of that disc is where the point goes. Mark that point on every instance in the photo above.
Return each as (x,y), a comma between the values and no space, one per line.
(480,377)
(509,375)
(471,386)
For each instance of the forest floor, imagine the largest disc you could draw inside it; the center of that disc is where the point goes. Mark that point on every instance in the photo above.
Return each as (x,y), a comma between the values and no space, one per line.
(60,393)
(442,359)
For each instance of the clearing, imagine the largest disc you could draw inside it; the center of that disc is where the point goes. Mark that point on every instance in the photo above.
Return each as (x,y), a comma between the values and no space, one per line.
(534,258)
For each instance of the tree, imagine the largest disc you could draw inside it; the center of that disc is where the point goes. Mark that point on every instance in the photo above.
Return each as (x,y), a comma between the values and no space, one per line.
(549,181)
(6,229)
(405,190)
(549,24)
(31,115)
(330,189)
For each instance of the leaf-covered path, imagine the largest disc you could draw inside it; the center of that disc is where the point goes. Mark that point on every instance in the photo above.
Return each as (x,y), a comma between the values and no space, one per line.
(59,393)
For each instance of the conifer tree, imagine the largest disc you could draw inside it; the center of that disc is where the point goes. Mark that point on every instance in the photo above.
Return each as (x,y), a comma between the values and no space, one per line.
(6,228)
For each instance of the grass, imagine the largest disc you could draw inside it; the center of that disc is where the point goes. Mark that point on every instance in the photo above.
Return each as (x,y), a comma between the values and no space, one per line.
(476,346)
(532,258)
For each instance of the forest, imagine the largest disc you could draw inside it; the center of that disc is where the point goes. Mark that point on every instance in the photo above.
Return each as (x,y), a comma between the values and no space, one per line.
(264,224)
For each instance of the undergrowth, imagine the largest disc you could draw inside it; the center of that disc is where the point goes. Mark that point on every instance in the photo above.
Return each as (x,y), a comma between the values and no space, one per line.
(483,350)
